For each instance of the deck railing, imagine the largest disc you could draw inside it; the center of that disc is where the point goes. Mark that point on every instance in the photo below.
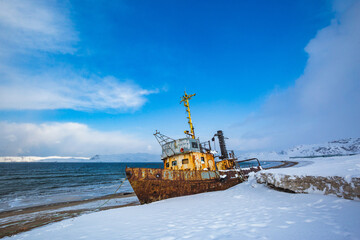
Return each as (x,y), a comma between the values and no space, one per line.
(249,165)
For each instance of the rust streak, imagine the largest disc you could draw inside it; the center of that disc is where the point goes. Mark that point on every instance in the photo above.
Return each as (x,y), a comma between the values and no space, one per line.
(156,184)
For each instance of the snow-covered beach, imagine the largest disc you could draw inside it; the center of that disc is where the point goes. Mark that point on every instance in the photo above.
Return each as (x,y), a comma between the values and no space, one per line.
(248,210)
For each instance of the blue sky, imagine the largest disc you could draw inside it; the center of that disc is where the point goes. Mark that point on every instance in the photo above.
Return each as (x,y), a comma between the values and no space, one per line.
(88,77)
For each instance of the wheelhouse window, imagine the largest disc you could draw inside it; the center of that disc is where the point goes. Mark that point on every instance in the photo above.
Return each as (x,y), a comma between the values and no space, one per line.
(185,161)
(173,163)
(194,144)
(202,160)
(167,164)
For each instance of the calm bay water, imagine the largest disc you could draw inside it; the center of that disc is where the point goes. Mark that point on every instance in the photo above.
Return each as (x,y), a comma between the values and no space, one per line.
(32,184)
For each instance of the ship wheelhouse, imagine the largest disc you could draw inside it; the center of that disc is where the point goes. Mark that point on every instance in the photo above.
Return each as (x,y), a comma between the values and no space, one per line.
(186,154)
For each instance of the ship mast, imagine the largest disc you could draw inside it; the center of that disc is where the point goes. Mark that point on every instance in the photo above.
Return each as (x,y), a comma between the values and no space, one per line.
(186,99)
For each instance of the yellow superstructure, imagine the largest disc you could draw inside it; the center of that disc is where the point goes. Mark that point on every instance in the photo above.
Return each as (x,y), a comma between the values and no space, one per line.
(190,161)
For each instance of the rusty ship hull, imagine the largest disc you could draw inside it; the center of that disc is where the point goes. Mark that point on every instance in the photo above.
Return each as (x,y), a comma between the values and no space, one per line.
(157,184)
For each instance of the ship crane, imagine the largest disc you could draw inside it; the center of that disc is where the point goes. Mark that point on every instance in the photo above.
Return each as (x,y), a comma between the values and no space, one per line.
(186,99)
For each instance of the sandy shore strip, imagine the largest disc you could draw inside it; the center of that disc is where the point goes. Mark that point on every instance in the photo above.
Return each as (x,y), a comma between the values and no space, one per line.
(284,164)
(21,220)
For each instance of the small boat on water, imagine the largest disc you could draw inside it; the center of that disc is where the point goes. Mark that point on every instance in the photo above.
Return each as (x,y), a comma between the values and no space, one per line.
(190,167)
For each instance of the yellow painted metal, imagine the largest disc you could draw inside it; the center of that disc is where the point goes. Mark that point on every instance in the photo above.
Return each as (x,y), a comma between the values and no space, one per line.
(190,161)
(186,99)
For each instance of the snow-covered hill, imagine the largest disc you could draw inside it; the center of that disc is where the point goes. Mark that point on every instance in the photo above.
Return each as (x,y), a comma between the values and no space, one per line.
(340,147)
(348,146)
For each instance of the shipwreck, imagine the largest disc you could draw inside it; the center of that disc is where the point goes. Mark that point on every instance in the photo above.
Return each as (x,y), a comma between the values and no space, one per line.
(190,167)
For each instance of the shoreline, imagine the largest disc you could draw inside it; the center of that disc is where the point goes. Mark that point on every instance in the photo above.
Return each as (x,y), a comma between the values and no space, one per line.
(25,219)
(245,211)
(285,164)
(21,220)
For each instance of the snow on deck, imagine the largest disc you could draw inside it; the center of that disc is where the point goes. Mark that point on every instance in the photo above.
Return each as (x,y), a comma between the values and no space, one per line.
(246,211)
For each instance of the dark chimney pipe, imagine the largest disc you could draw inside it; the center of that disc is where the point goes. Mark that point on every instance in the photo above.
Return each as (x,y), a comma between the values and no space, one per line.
(224,153)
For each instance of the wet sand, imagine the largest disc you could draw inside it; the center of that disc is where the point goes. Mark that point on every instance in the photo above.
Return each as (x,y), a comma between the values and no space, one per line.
(21,220)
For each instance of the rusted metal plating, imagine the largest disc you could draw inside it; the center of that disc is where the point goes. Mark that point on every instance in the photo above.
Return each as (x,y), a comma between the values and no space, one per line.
(156,184)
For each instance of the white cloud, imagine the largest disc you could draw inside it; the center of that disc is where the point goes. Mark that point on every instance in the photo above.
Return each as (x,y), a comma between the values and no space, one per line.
(36,28)
(323,104)
(35,25)
(66,139)
(76,92)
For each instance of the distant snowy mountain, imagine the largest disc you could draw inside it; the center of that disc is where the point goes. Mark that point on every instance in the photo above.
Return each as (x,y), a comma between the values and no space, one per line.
(346,146)
(42,159)
(127,157)
(339,147)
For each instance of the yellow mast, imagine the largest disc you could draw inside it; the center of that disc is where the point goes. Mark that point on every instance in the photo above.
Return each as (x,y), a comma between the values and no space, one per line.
(186,99)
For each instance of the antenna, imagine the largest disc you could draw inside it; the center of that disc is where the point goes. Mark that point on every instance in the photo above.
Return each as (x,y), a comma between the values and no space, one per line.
(186,99)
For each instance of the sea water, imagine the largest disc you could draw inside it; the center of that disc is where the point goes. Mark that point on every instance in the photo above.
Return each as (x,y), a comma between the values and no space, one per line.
(32,184)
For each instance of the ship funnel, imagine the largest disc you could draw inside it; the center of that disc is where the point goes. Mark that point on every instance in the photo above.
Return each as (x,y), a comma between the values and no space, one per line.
(224,153)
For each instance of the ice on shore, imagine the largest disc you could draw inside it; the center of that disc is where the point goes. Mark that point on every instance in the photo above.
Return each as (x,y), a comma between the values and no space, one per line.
(246,211)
